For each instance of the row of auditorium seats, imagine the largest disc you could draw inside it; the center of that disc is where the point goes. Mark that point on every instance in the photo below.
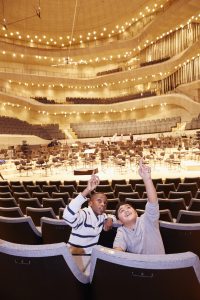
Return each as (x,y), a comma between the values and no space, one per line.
(110,100)
(44,100)
(10,125)
(110,128)
(193,124)
(109,71)
(153,62)
(50,272)
(171,210)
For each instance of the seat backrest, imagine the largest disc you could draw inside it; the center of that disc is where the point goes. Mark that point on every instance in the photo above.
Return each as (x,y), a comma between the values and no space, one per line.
(33,188)
(40,272)
(54,231)
(187,196)
(137,203)
(140,188)
(144,276)
(19,230)
(8,202)
(165,187)
(11,212)
(104,188)
(28,202)
(65,196)
(174,205)
(117,181)
(194,205)
(191,186)
(5,195)
(55,203)
(126,188)
(67,188)
(185,216)
(178,237)
(37,213)
(176,181)
(133,195)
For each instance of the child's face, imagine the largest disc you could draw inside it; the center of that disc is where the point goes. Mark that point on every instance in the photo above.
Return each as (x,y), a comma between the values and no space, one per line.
(127,215)
(98,203)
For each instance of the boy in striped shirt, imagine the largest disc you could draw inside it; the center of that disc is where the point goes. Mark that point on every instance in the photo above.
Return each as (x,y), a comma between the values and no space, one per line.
(87,223)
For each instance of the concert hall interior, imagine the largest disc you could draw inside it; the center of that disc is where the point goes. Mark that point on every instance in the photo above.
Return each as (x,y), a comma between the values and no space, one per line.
(90,86)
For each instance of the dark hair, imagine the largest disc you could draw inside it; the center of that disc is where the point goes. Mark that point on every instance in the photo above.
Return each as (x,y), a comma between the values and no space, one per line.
(97,193)
(119,205)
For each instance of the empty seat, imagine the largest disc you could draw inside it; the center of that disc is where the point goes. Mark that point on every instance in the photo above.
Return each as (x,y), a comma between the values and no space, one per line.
(41,183)
(70,182)
(54,203)
(37,213)
(117,181)
(64,196)
(185,216)
(5,189)
(19,230)
(125,188)
(50,189)
(104,188)
(55,182)
(81,188)
(157,180)
(194,205)
(18,195)
(176,181)
(133,195)
(165,214)
(110,195)
(192,187)
(27,182)
(11,212)
(15,182)
(18,188)
(192,179)
(179,237)
(54,231)
(28,202)
(40,195)
(140,188)
(6,195)
(136,203)
(40,272)
(33,188)
(174,205)
(187,196)
(8,202)
(144,276)
(67,188)
(165,187)
(133,182)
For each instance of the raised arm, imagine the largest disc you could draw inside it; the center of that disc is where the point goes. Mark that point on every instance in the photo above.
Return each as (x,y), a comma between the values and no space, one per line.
(72,213)
(145,173)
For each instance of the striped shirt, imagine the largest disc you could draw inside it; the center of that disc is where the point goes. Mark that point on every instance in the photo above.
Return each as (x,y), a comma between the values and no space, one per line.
(86,226)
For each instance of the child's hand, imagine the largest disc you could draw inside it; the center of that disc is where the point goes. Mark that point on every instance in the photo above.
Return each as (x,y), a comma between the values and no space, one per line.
(108,224)
(144,171)
(92,182)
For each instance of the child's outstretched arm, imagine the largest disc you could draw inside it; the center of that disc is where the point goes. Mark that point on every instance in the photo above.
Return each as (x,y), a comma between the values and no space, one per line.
(145,173)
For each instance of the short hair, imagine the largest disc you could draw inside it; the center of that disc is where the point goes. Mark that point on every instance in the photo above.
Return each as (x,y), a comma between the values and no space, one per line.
(118,207)
(98,193)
